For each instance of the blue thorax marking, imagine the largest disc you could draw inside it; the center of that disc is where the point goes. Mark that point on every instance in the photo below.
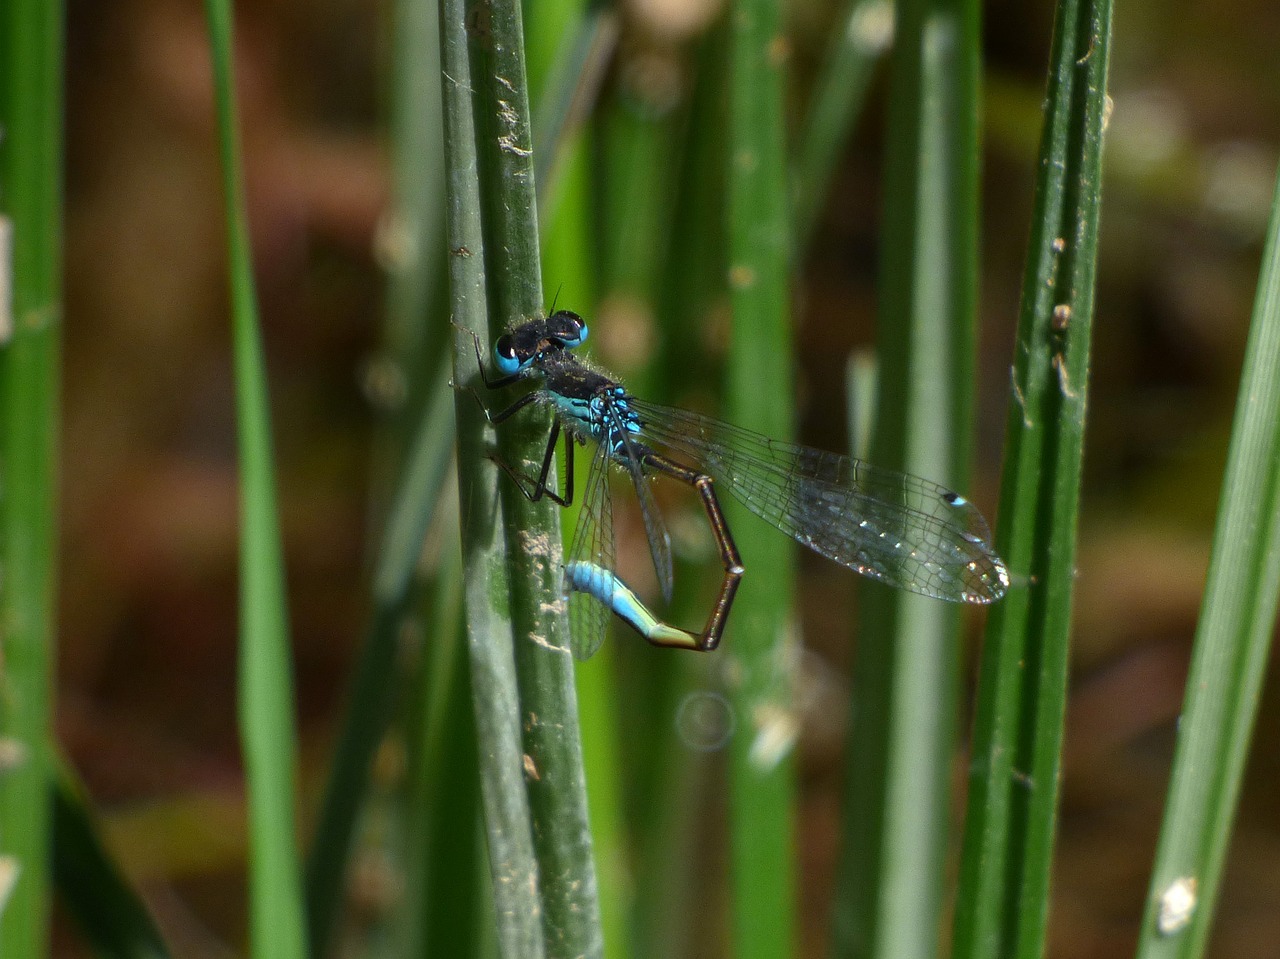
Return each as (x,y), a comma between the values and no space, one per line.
(603,416)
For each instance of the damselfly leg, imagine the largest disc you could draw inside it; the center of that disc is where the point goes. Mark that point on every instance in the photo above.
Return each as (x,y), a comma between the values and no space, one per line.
(593,576)
(539,487)
(729,558)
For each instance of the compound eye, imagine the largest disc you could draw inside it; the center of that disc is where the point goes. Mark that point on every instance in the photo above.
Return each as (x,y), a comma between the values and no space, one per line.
(568,327)
(504,354)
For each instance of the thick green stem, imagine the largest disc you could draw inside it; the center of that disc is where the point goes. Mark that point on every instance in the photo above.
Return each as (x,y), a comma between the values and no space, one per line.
(1002,906)
(30,331)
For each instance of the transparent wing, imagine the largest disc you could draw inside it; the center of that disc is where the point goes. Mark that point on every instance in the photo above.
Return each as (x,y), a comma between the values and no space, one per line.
(893,527)
(654,528)
(592,543)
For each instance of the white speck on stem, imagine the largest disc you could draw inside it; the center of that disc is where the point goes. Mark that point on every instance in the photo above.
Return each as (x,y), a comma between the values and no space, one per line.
(1177,906)
(13,753)
(10,869)
(776,733)
(508,144)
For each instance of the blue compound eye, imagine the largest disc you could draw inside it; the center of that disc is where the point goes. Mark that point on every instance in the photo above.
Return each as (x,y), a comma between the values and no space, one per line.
(567,327)
(505,356)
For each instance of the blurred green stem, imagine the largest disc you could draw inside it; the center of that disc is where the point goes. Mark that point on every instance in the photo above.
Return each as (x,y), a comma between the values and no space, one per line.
(760,648)
(276,922)
(836,105)
(370,701)
(92,886)
(30,330)
(889,902)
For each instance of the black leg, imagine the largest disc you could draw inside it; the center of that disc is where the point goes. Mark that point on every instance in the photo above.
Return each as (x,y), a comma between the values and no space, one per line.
(517,406)
(491,384)
(496,418)
(540,487)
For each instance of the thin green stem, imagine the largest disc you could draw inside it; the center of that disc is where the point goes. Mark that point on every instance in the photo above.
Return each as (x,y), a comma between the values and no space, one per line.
(276,923)
(112,917)
(761,648)
(370,700)
(906,676)
(866,32)
(1229,658)
(440,815)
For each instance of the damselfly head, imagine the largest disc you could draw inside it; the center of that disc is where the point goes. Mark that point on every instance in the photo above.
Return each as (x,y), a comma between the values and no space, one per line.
(515,351)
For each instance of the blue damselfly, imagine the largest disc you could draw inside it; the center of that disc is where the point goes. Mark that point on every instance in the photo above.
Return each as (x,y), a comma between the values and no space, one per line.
(893,527)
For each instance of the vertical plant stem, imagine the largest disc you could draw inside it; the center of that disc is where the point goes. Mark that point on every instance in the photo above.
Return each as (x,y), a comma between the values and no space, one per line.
(1002,904)
(370,702)
(276,923)
(418,193)
(889,901)
(514,867)
(836,105)
(30,327)
(760,646)
(667,783)
(1229,659)
(544,667)
(443,914)
(508,829)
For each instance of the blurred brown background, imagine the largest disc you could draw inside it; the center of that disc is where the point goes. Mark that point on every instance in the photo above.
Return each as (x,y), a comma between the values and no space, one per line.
(148,612)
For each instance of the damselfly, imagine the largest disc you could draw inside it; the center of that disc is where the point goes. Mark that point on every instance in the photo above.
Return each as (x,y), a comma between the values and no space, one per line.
(893,527)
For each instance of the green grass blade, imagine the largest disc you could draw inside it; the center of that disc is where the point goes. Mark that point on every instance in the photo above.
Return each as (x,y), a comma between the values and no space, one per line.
(667,300)
(760,645)
(370,701)
(276,926)
(1002,903)
(30,328)
(414,276)
(109,912)
(417,178)
(444,908)
(1229,657)
(508,827)
(569,46)
(836,104)
(694,269)
(657,276)
(889,901)
(636,147)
